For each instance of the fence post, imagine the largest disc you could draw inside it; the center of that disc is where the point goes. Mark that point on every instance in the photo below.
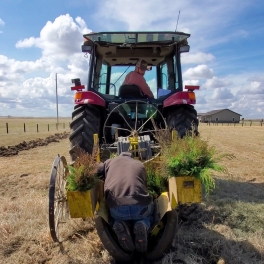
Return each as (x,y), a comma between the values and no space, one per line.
(7,128)
(250,122)
(48,127)
(37,128)
(24,127)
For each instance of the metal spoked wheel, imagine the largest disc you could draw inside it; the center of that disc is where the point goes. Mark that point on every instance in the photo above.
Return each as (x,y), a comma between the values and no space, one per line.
(58,206)
(137,119)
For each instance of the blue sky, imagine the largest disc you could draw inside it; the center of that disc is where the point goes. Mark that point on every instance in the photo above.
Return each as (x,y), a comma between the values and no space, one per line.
(40,38)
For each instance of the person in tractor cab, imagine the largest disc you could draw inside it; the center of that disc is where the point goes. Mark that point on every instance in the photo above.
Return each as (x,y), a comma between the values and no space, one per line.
(128,199)
(136,77)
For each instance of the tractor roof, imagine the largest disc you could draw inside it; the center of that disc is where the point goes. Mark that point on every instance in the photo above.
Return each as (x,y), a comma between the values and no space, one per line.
(126,47)
(140,37)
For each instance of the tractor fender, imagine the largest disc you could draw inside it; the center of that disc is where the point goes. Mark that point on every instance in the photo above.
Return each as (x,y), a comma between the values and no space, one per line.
(180,98)
(88,97)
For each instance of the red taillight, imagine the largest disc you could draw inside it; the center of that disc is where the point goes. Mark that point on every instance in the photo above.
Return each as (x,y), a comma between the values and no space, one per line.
(191,95)
(78,96)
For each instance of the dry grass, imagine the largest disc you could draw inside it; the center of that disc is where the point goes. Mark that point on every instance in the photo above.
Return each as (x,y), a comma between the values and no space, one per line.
(226,228)
(24,231)
(16,132)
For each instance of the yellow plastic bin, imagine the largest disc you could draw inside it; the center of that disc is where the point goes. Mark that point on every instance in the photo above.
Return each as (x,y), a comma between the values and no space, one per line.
(84,204)
(184,190)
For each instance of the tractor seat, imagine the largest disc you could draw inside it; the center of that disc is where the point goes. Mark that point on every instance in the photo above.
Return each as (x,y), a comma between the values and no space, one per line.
(130,91)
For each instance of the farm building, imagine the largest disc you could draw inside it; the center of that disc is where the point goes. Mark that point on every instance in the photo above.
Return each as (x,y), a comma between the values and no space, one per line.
(220,116)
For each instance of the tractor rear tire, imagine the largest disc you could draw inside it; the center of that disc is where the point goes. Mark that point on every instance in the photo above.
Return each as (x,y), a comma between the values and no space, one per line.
(167,237)
(183,119)
(110,244)
(85,123)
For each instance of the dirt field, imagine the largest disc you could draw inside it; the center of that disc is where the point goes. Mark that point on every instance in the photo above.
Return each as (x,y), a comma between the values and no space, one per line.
(228,227)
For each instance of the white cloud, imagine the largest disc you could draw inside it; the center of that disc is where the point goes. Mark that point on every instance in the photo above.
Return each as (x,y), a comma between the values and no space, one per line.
(222,94)
(256,78)
(193,19)
(2,23)
(249,106)
(216,82)
(254,88)
(144,17)
(27,43)
(201,71)
(11,66)
(197,58)
(60,42)
(63,37)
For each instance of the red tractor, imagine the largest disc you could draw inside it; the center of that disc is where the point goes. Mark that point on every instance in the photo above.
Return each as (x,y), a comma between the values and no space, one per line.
(113,110)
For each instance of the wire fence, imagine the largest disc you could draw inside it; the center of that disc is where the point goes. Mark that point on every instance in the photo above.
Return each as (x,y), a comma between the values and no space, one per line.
(32,126)
(241,123)
(49,127)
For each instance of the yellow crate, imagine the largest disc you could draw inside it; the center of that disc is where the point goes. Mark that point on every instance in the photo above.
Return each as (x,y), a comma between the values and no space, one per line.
(84,204)
(184,190)
(80,204)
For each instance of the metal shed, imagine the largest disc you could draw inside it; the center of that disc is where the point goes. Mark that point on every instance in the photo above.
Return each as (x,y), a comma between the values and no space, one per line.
(220,116)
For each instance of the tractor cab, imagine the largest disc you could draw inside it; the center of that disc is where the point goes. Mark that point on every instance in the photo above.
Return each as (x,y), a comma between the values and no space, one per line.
(114,54)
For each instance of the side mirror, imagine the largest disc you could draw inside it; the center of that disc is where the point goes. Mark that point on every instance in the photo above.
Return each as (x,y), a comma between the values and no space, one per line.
(87,49)
(77,82)
(184,48)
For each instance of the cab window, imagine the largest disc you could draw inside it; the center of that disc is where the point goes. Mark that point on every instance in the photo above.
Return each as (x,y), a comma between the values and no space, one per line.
(176,72)
(101,85)
(164,76)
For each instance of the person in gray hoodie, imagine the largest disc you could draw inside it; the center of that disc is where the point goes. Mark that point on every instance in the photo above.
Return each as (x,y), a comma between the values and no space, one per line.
(128,199)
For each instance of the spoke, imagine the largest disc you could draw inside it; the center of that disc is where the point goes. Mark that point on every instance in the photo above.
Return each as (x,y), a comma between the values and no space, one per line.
(119,128)
(57,215)
(61,179)
(124,117)
(152,158)
(153,123)
(147,121)
(136,115)
(151,131)
(60,198)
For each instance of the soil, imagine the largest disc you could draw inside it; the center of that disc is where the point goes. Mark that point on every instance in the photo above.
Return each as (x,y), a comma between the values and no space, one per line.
(14,150)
